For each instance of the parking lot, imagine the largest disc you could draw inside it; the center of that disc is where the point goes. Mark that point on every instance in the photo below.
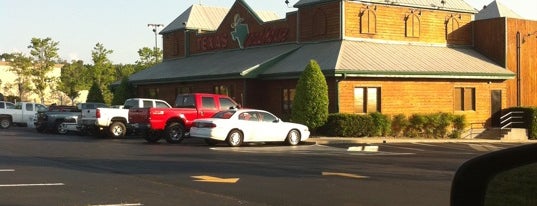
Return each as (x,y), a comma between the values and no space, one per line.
(49,169)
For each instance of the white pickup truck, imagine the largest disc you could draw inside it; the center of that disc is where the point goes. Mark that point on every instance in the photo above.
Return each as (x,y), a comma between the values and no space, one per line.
(114,121)
(20,113)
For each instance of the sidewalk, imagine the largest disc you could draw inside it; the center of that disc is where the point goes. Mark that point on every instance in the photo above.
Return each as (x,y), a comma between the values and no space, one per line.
(379,140)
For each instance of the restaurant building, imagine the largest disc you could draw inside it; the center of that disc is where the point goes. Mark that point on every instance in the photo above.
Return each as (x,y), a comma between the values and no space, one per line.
(388,56)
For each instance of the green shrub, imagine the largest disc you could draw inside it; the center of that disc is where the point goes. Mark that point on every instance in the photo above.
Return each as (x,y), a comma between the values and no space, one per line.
(310,106)
(398,125)
(459,123)
(376,124)
(381,124)
(415,126)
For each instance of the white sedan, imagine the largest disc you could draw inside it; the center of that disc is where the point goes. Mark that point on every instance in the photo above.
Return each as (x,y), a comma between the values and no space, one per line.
(247,125)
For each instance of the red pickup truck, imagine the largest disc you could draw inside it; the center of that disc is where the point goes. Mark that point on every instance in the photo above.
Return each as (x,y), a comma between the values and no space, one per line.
(174,123)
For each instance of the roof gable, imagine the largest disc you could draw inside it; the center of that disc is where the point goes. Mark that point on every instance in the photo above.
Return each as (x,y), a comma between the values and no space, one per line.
(198,17)
(496,10)
(210,18)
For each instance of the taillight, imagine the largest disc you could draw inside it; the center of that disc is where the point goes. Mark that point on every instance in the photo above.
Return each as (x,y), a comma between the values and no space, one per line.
(98,113)
(205,125)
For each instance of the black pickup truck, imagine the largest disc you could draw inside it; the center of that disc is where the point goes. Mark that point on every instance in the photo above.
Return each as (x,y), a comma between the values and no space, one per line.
(51,120)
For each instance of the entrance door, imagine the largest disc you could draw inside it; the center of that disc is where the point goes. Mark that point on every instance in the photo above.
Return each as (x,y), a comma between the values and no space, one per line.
(496,107)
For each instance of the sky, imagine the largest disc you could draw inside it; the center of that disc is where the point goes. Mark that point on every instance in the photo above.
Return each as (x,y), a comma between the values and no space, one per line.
(121,25)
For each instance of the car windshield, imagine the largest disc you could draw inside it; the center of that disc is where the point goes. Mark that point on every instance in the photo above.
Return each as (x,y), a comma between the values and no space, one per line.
(224,114)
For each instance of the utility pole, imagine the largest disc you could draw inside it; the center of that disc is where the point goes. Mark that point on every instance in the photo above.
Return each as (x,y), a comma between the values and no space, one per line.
(155,28)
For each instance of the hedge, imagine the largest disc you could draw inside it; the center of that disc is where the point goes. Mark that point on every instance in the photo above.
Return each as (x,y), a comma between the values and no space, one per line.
(438,125)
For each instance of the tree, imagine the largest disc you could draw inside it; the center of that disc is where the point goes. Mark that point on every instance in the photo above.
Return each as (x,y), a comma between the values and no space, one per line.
(44,53)
(123,92)
(124,70)
(103,71)
(148,57)
(73,79)
(95,94)
(21,65)
(310,106)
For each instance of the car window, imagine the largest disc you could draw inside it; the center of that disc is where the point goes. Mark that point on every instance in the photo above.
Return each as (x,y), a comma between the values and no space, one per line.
(267,117)
(226,103)
(18,105)
(131,103)
(41,108)
(29,107)
(245,116)
(10,105)
(223,114)
(160,104)
(147,104)
(185,101)
(208,103)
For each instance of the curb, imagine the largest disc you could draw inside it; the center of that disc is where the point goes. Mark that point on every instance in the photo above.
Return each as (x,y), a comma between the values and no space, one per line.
(339,140)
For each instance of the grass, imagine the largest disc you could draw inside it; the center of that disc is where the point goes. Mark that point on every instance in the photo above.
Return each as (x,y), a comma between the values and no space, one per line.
(514,187)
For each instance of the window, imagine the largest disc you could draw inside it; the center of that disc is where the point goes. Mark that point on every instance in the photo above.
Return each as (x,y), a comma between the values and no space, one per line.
(160,104)
(366,99)
(368,22)
(153,93)
(452,25)
(185,101)
(147,103)
(412,24)
(288,96)
(222,89)
(29,107)
(208,103)
(41,108)
(464,99)
(226,103)
(182,90)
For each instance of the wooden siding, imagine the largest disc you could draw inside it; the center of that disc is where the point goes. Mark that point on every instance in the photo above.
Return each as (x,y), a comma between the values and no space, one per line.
(422,96)
(173,44)
(528,61)
(489,39)
(390,24)
(327,16)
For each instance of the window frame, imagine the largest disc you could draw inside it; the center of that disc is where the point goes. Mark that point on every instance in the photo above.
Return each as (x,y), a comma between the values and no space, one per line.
(366,98)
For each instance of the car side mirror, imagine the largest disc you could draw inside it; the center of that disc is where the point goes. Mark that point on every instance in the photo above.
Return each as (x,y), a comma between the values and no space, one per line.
(475,181)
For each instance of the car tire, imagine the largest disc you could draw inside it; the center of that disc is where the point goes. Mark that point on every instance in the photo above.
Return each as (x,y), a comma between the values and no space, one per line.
(61,128)
(211,142)
(5,123)
(293,137)
(234,138)
(174,133)
(117,130)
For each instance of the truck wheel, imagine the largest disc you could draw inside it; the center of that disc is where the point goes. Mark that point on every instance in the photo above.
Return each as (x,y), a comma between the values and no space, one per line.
(174,133)
(117,129)
(5,123)
(61,128)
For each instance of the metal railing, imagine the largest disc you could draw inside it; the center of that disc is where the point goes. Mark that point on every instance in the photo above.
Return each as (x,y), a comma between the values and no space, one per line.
(513,117)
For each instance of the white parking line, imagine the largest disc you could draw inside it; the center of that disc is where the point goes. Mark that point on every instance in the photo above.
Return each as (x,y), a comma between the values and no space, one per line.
(7,170)
(122,204)
(32,185)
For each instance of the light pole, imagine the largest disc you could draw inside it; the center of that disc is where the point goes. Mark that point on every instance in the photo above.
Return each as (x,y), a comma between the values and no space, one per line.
(155,27)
